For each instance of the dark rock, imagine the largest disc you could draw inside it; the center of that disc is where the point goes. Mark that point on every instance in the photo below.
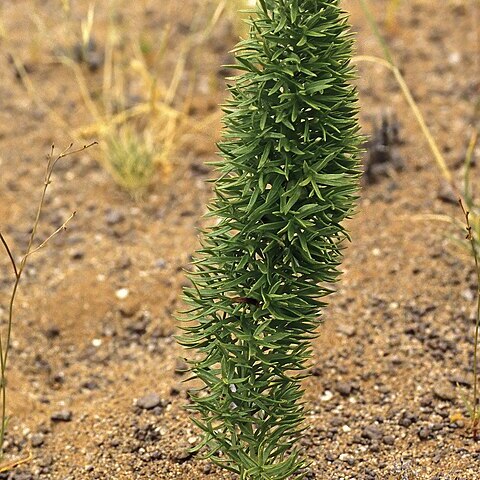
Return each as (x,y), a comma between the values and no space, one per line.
(161,331)
(370,474)
(200,169)
(357,439)
(375,447)
(138,327)
(407,419)
(337,422)
(426,401)
(331,457)
(344,388)
(372,432)
(181,367)
(424,433)
(90,385)
(115,442)
(158,410)
(345,457)
(436,427)
(124,263)
(90,54)
(388,439)
(384,389)
(383,158)
(52,332)
(147,433)
(156,455)
(37,440)
(77,255)
(58,378)
(175,391)
(396,360)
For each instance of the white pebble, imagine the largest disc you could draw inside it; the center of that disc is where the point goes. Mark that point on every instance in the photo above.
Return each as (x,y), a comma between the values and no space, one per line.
(122,293)
(454,58)
(327,396)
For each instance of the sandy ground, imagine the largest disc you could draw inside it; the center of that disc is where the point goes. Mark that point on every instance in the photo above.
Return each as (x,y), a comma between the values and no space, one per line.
(95,382)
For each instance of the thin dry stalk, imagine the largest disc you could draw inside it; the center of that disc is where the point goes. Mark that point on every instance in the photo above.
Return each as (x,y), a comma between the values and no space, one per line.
(7,466)
(466,199)
(474,410)
(416,111)
(18,269)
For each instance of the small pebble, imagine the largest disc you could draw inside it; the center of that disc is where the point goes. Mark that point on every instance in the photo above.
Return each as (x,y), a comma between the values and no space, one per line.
(345,457)
(344,389)
(388,439)
(327,396)
(148,402)
(52,332)
(347,330)
(372,432)
(122,293)
(424,433)
(182,455)
(444,392)
(62,416)
(37,440)
(113,217)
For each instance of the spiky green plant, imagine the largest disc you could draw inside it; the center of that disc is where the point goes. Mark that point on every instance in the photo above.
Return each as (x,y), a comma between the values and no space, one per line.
(288,178)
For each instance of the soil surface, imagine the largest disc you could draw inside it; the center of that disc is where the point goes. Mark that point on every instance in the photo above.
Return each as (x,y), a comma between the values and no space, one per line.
(95,381)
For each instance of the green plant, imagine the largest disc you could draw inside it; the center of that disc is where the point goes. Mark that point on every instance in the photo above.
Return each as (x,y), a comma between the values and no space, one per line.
(288,179)
(18,269)
(136,138)
(132,159)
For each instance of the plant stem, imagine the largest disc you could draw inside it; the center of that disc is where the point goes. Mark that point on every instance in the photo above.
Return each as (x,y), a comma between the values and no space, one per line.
(471,239)
(5,346)
(465,199)
(376,31)
(416,111)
